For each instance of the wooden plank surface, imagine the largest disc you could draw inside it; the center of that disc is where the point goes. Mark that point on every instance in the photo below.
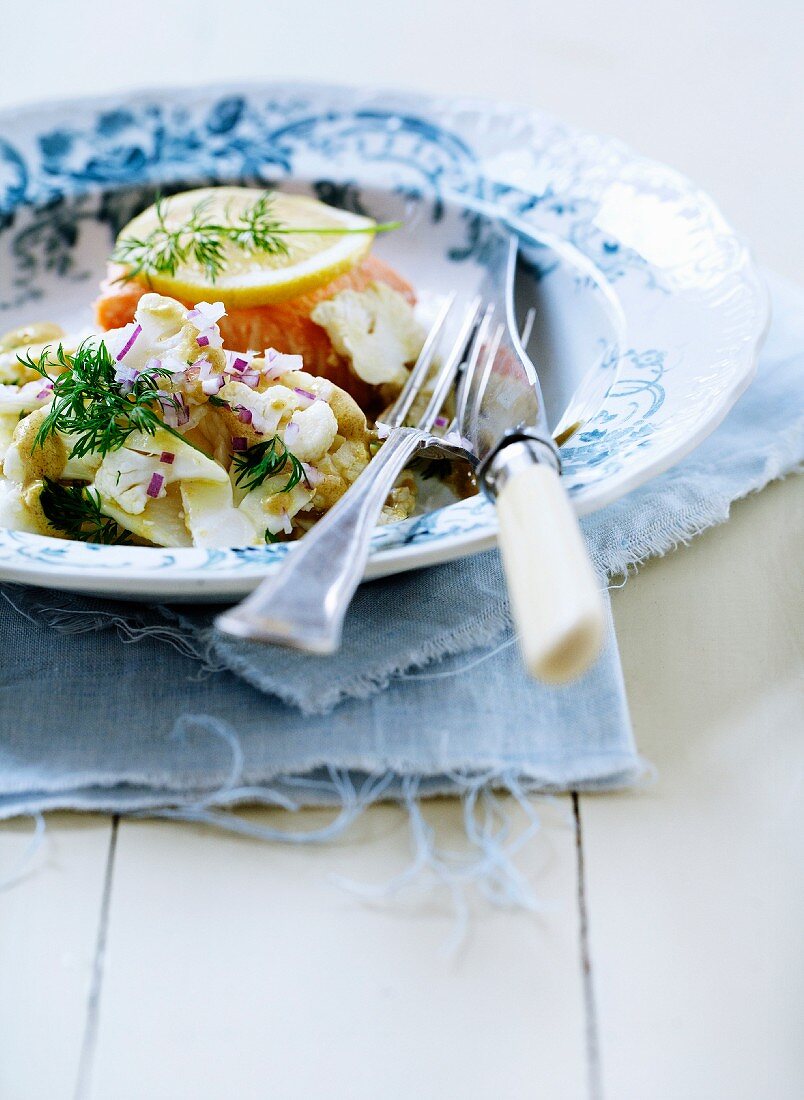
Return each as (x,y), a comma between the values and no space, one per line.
(238,968)
(49,923)
(695,892)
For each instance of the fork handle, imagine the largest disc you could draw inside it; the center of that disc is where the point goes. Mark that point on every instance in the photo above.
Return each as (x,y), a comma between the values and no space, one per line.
(556,599)
(304,603)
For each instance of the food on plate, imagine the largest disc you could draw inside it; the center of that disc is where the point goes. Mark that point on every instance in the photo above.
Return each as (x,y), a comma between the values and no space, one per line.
(158,434)
(274,261)
(246,341)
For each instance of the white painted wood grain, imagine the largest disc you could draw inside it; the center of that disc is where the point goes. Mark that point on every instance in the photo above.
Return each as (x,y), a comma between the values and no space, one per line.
(696,898)
(48,932)
(236,968)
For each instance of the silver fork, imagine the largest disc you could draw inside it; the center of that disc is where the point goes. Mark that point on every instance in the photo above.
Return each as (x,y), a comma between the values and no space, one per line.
(303,604)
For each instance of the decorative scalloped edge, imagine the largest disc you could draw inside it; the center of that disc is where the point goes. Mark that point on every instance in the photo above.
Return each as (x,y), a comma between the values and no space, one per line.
(526,164)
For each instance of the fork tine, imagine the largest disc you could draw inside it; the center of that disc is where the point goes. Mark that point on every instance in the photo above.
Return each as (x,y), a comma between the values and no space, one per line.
(395,417)
(449,369)
(527,328)
(482,374)
(467,377)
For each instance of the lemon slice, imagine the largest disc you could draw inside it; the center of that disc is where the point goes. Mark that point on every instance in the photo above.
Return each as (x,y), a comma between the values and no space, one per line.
(254,278)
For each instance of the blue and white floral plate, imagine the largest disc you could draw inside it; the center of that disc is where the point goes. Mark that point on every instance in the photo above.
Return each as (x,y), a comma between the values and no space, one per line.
(670,302)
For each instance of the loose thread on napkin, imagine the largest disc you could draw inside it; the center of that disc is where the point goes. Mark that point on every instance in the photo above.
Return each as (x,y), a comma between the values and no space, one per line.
(489,868)
(461,668)
(25,864)
(209,807)
(63,612)
(492,872)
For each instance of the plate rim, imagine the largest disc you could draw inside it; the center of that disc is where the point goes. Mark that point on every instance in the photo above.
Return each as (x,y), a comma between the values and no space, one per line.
(198,582)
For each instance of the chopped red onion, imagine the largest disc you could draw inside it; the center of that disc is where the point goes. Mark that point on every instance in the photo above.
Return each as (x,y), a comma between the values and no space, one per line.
(206,314)
(314,477)
(237,362)
(175,411)
(168,457)
(244,414)
(126,374)
(441,421)
(304,393)
(129,343)
(239,443)
(291,433)
(155,485)
(210,338)
(44,393)
(279,364)
(250,378)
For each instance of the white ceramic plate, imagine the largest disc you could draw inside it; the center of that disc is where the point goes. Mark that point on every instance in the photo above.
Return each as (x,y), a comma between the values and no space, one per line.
(676,313)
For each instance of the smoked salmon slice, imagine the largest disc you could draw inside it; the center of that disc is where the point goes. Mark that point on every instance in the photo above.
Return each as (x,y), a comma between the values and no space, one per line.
(285,326)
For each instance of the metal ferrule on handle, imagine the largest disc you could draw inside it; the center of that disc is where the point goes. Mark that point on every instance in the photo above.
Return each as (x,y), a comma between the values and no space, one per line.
(556,600)
(518,449)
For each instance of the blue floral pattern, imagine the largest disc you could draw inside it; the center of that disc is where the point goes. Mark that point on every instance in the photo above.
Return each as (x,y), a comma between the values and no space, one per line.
(64,171)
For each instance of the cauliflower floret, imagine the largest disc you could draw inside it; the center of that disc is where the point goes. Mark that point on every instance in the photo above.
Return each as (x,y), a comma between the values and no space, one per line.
(124,475)
(123,478)
(167,335)
(25,398)
(213,520)
(376,329)
(317,428)
(272,510)
(268,408)
(332,439)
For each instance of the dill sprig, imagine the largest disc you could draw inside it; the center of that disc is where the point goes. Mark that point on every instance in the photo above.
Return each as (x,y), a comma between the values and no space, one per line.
(264,460)
(75,511)
(202,239)
(91,406)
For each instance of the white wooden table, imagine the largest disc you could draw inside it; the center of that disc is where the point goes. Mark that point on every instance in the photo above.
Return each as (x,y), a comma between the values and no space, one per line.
(148,961)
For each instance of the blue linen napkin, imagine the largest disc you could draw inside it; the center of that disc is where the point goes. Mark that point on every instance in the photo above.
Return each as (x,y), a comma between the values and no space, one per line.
(123,708)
